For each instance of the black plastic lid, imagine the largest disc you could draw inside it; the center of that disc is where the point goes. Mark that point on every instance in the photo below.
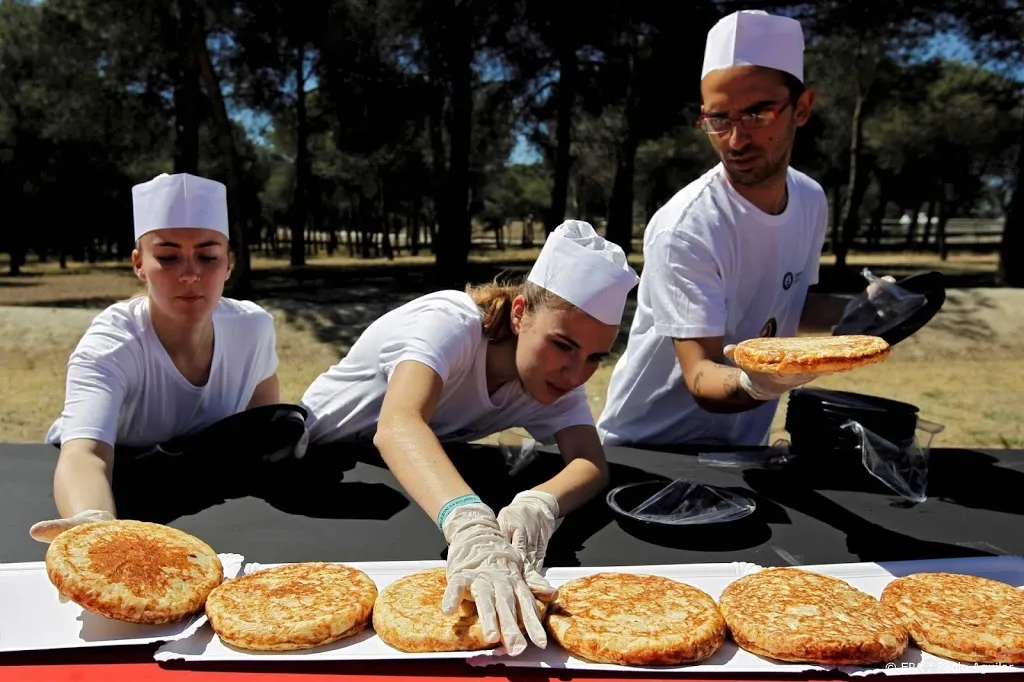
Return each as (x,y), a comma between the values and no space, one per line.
(820,414)
(849,401)
(931,284)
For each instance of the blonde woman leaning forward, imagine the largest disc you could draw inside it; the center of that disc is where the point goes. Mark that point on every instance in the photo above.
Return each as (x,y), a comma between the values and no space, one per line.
(455,366)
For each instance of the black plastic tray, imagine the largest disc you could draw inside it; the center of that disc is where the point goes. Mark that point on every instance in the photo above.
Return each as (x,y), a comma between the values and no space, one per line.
(932,285)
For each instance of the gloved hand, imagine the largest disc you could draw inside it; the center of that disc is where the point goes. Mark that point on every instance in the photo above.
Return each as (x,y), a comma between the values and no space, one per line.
(484,567)
(878,307)
(46,531)
(287,422)
(763,386)
(300,447)
(874,289)
(298,450)
(528,522)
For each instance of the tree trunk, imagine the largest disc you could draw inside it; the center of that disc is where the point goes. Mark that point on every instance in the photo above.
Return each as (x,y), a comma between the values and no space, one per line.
(926,238)
(240,284)
(350,224)
(527,236)
(385,239)
(878,215)
(1011,249)
(186,92)
(566,100)
(302,163)
(912,227)
(414,228)
(438,150)
(837,204)
(940,229)
(456,231)
(620,209)
(851,207)
(367,226)
(17,250)
(620,214)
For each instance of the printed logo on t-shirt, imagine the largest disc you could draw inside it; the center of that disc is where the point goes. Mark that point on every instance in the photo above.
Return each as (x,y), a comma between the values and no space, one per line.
(769,328)
(791,278)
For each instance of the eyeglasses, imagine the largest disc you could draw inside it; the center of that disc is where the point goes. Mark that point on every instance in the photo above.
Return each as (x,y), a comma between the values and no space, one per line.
(720,125)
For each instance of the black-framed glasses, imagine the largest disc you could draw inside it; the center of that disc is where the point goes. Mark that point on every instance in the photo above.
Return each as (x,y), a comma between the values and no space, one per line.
(720,125)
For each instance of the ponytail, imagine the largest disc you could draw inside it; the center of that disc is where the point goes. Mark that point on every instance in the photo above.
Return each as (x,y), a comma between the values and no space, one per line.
(495,302)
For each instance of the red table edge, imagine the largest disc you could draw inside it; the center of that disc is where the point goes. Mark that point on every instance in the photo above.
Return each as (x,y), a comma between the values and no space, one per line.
(154,672)
(139,666)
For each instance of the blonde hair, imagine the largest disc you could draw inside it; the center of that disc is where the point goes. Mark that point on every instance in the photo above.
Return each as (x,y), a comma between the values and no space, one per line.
(495,302)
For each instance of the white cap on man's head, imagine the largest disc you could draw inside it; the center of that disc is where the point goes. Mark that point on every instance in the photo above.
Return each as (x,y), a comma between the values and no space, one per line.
(755,38)
(180,200)
(582,267)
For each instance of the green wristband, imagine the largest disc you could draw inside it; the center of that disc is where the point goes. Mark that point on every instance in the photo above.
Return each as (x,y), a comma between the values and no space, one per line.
(450,506)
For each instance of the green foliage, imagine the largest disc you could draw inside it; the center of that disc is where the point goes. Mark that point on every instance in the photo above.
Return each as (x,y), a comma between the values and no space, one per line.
(949,127)
(88,106)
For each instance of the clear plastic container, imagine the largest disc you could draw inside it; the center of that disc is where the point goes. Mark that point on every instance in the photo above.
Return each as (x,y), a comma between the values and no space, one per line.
(683,502)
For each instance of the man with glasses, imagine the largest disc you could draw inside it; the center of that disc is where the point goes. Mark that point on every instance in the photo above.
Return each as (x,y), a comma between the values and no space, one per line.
(730,257)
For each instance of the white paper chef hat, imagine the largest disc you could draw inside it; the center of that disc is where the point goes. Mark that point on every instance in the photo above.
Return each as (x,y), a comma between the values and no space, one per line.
(180,200)
(582,267)
(754,37)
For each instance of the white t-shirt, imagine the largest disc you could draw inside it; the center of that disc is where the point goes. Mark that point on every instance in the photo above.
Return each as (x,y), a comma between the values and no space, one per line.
(123,388)
(714,265)
(443,330)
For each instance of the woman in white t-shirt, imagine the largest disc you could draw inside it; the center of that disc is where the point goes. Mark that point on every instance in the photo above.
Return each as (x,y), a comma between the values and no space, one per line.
(457,366)
(163,365)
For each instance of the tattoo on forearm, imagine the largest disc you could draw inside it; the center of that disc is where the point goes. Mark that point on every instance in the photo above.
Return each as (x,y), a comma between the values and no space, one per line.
(732,392)
(731,385)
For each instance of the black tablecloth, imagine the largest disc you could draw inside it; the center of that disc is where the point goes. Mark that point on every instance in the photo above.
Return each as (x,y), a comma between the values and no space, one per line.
(344,505)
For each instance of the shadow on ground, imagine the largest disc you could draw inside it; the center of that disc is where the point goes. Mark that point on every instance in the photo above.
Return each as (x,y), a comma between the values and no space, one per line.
(963,315)
(85,303)
(849,280)
(336,303)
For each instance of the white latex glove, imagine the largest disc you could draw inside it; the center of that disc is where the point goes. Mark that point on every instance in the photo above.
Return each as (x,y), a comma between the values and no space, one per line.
(857,310)
(46,531)
(763,386)
(484,567)
(528,522)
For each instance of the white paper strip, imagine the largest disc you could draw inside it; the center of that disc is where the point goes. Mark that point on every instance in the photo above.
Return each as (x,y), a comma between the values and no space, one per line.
(33,617)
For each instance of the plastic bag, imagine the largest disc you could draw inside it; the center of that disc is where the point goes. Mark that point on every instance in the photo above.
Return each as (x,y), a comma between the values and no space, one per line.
(686,501)
(888,306)
(775,457)
(902,468)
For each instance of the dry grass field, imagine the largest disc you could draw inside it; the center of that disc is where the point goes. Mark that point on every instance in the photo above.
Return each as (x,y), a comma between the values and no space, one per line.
(965,370)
